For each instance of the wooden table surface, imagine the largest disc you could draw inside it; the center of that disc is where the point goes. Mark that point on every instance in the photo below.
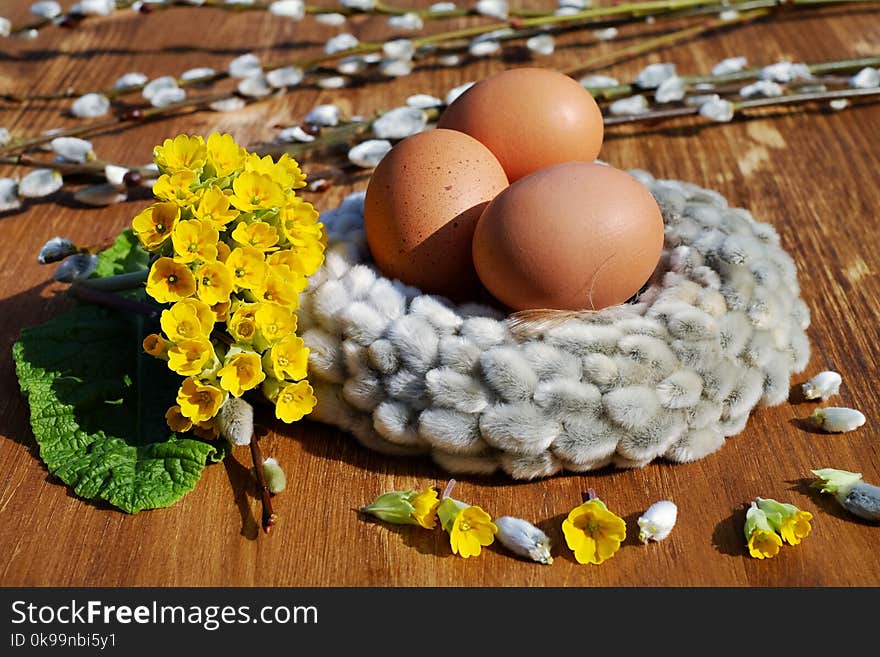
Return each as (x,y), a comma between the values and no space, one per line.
(812,174)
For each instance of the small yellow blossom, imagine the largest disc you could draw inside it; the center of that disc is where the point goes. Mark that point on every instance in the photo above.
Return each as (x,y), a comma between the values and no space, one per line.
(258,234)
(207,430)
(299,212)
(176,421)
(241,325)
(155,345)
(764,544)
(225,157)
(274,322)
(285,172)
(181,153)
(177,188)
(199,401)
(470,528)
(408,507)
(190,357)
(223,251)
(194,240)
(248,267)
(213,207)
(189,319)
(593,532)
(221,311)
(425,505)
(154,225)
(294,402)
(281,286)
(213,283)
(241,372)
(287,359)
(762,541)
(255,191)
(170,281)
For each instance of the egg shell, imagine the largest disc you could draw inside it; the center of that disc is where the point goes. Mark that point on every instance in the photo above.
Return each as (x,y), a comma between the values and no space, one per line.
(572,236)
(530,118)
(422,205)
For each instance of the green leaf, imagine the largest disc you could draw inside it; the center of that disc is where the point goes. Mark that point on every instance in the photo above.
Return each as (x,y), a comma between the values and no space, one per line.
(124,256)
(97,410)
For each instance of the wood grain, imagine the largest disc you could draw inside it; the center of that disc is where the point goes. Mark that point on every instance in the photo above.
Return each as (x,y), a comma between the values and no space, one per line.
(812,174)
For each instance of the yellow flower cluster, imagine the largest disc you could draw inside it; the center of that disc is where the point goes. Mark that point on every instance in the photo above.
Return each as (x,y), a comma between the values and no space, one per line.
(770,523)
(233,248)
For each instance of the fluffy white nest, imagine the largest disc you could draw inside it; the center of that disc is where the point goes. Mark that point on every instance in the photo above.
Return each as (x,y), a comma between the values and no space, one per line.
(718,331)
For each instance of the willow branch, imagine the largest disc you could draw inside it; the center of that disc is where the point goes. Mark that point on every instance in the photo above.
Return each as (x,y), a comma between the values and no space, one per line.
(269,516)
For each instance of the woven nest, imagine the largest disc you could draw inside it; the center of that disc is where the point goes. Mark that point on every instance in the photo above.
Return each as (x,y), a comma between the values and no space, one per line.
(718,331)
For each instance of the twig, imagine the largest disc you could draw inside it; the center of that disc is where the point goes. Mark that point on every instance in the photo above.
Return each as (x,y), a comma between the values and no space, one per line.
(790,99)
(664,40)
(269,515)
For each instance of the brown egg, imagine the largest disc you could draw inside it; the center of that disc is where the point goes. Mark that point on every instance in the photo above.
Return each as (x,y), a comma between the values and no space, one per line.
(530,118)
(422,204)
(572,236)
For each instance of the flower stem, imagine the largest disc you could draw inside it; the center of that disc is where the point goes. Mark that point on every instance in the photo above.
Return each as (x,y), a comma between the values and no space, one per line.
(120,282)
(448,490)
(269,515)
(107,299)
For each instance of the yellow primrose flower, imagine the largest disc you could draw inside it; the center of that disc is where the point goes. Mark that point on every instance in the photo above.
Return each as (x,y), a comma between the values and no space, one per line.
(181,153)
(154,225)
(190,357)
(170,281)
(259,235)
(593,532)
(221,311)
(764,544)
(287,359)
(242,371)
(213,283)
(294,402)
(199,401)
(225,157)
(194,240)
(223,251)
(407,507)
(762,541)
(285,171)
(299,211)
(255,191)
(213,207)
(248,267)
(177,188)
(470,527)
(207,430)
(274,322)
(176,421)
(425,505)
(281,286)
(787,520)
(155,345)
(241,325)
(189,319)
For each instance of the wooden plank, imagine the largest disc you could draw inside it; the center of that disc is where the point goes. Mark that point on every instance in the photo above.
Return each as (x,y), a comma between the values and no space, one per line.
(811,174)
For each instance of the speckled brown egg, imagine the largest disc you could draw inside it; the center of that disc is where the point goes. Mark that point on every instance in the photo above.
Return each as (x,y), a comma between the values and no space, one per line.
(572,236)
(530,118)
(422,204)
